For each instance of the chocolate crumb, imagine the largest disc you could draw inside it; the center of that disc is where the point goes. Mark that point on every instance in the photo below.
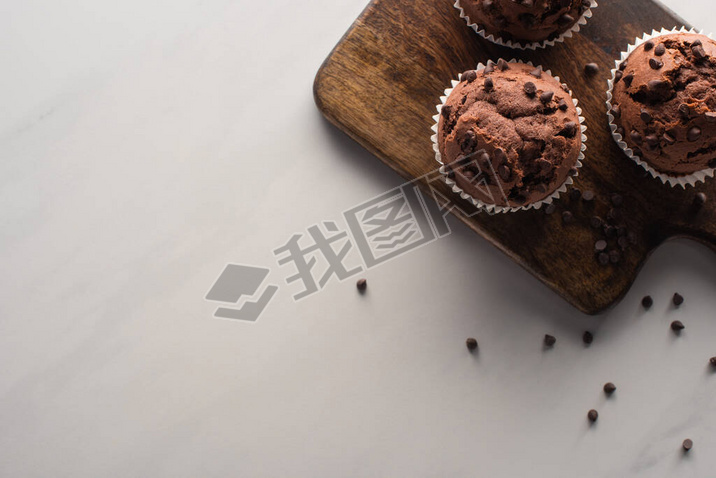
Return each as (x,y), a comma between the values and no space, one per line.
(678,299)
(647,302)
(677,326)
(609,388)
(361,284)
(471,344)
(593,415)
(549,340)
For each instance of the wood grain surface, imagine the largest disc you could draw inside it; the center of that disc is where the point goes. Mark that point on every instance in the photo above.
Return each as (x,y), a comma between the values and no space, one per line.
(382,81)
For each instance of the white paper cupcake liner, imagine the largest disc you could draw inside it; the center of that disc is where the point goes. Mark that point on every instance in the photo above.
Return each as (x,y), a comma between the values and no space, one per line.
(673,181)
(527,46)
(493,208)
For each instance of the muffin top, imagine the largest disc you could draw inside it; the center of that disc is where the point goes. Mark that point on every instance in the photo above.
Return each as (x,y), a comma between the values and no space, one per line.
(664,102)
(509,134)
(525,20)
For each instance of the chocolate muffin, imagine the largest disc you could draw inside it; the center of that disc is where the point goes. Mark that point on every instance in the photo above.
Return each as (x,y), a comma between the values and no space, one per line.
(664,103)
(524,21)
(509,134)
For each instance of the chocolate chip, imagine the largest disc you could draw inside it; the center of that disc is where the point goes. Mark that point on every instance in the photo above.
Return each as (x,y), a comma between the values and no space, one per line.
(569,130)
(593,415)
(678,299)
(530,88)
(549,340)
(502,65)
(645,116)
(565,19)
(451,174)
(471,344)
(647,302)
(668,138)
(537,72)
(550,209)
(688,444)
(660,49)
(565,88)
(648,45)
(710,116)
(361,284)
(712,361)
(614,257)
(445,111)
(677,326)
(588,195)
(563,105)
(616,111)
(587,337)
(618,75)
(567,217)
(546,97)
(694,134)
(489,68)
(610,231)
(652,141)
(600,245)
(617,199)
(596,222)
(575,194)
(685,110)
(603,258)
(609,388)
(696,42)
(489,84)
(504,172)
(469,76)
(636,137)
(655,64)
(628,79)
(623,65)
(699,52)
(699,199)
(591,69)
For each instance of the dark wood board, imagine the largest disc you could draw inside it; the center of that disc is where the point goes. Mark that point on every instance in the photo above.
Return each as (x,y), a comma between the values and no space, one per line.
(382,81)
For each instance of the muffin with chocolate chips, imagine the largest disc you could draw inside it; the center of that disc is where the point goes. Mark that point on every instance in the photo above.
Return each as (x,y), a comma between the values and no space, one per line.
(663,104)
(509,136)
(521,23)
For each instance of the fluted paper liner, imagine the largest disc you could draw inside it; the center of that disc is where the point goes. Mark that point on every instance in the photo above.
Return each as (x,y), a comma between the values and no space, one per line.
(683,181)
(493,208)
(527,46)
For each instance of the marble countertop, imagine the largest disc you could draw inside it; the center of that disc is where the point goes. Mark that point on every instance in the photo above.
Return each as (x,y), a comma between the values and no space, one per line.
(147,144)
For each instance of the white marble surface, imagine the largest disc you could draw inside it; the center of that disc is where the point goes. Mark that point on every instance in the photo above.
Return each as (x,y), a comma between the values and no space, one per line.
(145,144)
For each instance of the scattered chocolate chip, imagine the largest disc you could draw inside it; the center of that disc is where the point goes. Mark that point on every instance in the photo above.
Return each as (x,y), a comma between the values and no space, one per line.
(569,130)
(445,111)
(668,139)
(565,19)
(530,88)
(469,76)
(489,68)
(647,302)
(685,110)
(652,142)
(618,76)
(655,64)
(567,217)
(617,199)
(628,79)
(610,231)
(471,344)
(587,337)
(616,111)
(623,65)
(502,65)
(591,69)
(537,72)
(694,134)
(361,284)
(504,172)
(678,299)
(488,83)
(575,194)
(600,245)
(699,199)
(592,415)
(549,340)
(603,258)
(565,88)
(645,116)
(648,45)
(710,116)
(547,96)
(688,444)
(660,49)
(677,326)
(636,137)
(609,388)
(563,105)
(596,222)
(550,209)
(696,42)
(699,52)
(588,195)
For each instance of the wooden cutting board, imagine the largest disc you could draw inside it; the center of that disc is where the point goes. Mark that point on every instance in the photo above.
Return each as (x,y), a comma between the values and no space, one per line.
(382,81)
